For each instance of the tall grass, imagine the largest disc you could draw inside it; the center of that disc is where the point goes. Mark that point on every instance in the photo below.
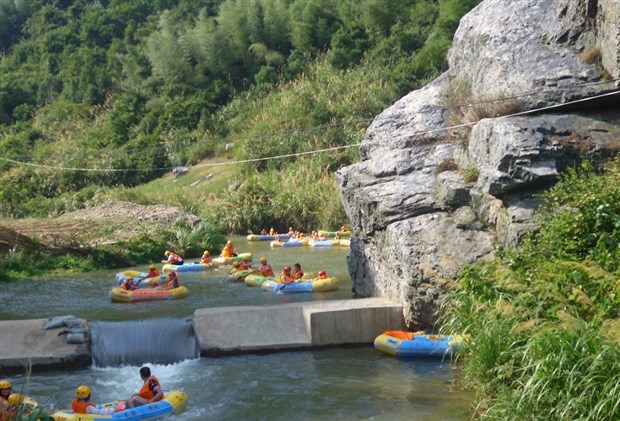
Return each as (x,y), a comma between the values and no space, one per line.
(304,196)
(542,320)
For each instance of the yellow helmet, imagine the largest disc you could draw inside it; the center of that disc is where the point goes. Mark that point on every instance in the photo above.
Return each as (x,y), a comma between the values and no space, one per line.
(245,258)
(5,384)
(263,260)
(83,392)
(228,243)
(206,253)
(167,252)
(15,399)
(152,267)
(236,264)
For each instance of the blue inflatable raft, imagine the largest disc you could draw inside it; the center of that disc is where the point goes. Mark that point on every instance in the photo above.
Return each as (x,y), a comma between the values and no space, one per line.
(399,343)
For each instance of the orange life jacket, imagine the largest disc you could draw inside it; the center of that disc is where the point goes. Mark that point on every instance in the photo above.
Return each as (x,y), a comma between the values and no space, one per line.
(228,251)
(286,279)
(266,270)
(298,274)
(174,258)
(153,273)
(172,283)
(206,260)
(150,388)
(243,265)
(79,406)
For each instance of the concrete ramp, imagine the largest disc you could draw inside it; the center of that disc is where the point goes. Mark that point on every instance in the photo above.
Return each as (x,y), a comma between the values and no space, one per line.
(234,330)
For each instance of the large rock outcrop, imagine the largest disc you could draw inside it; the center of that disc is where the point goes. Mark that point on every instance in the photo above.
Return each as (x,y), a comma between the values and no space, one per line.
(451,171)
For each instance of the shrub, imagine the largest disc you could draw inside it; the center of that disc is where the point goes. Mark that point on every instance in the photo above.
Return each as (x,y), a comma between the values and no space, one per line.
(448,164)
(591,55)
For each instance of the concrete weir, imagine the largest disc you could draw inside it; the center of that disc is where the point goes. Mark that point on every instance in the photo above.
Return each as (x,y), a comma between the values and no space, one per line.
(235,330)
(220,331)
(25,345)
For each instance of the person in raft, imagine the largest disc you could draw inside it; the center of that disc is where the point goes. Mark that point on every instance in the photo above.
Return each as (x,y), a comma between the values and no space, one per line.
(206,258)
(229,250)
(172,258)
(83,405)
(129,284)
(264,231)
(150,392)
(153,272)
(173,281)
(298,273)
(272,231)
(6,389)
(265,268)
(244,264)
(286,277)
(322,275)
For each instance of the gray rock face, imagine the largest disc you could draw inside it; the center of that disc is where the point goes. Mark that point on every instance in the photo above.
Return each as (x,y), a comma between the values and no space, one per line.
(531,48)
(423,204)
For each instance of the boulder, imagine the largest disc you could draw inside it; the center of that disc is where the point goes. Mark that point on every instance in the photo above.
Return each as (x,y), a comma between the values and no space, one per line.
(417,219)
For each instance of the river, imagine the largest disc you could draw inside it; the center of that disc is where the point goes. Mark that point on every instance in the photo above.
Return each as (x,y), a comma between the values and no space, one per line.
(340,383)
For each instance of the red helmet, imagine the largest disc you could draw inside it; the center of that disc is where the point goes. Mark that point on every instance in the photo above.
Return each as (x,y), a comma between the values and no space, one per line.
(322,273)
(287,268)
(172,274)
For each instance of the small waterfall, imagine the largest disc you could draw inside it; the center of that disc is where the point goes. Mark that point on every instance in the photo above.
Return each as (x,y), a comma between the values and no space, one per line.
(156,341)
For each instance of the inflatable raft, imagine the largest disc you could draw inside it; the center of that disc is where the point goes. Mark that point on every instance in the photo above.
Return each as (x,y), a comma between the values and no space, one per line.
(240,275)
(121,295)
(139,277)
(331,234)
(255,280)
(324,243)
(321,285)
(400,343)
(345,242)
(173,403)
(220,261)
(258,237)
(290,243)
(187,267)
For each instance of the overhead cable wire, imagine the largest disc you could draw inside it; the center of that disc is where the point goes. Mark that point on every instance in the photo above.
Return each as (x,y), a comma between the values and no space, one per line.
(378,118)
(413,135)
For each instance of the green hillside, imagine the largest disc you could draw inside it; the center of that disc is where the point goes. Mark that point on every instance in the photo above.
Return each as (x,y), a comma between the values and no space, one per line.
(100,95)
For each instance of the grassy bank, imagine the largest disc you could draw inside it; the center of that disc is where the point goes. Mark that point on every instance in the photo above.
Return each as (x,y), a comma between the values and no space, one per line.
(544,319)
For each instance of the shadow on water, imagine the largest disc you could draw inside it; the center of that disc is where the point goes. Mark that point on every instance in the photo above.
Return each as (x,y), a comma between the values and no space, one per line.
(156,341)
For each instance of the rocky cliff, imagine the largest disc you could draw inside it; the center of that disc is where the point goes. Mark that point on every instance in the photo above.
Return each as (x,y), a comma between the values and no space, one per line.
(451,171)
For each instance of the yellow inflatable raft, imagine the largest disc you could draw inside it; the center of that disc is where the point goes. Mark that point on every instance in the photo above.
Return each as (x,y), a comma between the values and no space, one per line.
(121,295)
(173,403)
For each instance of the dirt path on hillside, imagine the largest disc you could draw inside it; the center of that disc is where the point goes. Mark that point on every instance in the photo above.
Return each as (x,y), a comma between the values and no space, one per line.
(89,227)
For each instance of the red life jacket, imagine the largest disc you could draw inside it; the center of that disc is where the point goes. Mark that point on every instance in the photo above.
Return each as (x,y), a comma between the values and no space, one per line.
(128,284)
(79,406)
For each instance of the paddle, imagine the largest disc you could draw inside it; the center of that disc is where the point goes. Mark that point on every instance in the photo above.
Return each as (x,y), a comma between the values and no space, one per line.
(229,273)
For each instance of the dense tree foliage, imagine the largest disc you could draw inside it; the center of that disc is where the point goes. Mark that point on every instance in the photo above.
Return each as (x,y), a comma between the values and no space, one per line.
(88,86)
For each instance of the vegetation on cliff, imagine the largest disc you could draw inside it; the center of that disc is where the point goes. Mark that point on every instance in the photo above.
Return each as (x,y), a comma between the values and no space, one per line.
(544,319)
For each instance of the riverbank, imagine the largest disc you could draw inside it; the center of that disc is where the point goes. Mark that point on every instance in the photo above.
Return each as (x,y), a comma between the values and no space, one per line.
(220,331)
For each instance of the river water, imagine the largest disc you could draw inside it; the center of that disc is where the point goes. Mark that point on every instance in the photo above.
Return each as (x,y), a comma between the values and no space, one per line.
(340,383)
